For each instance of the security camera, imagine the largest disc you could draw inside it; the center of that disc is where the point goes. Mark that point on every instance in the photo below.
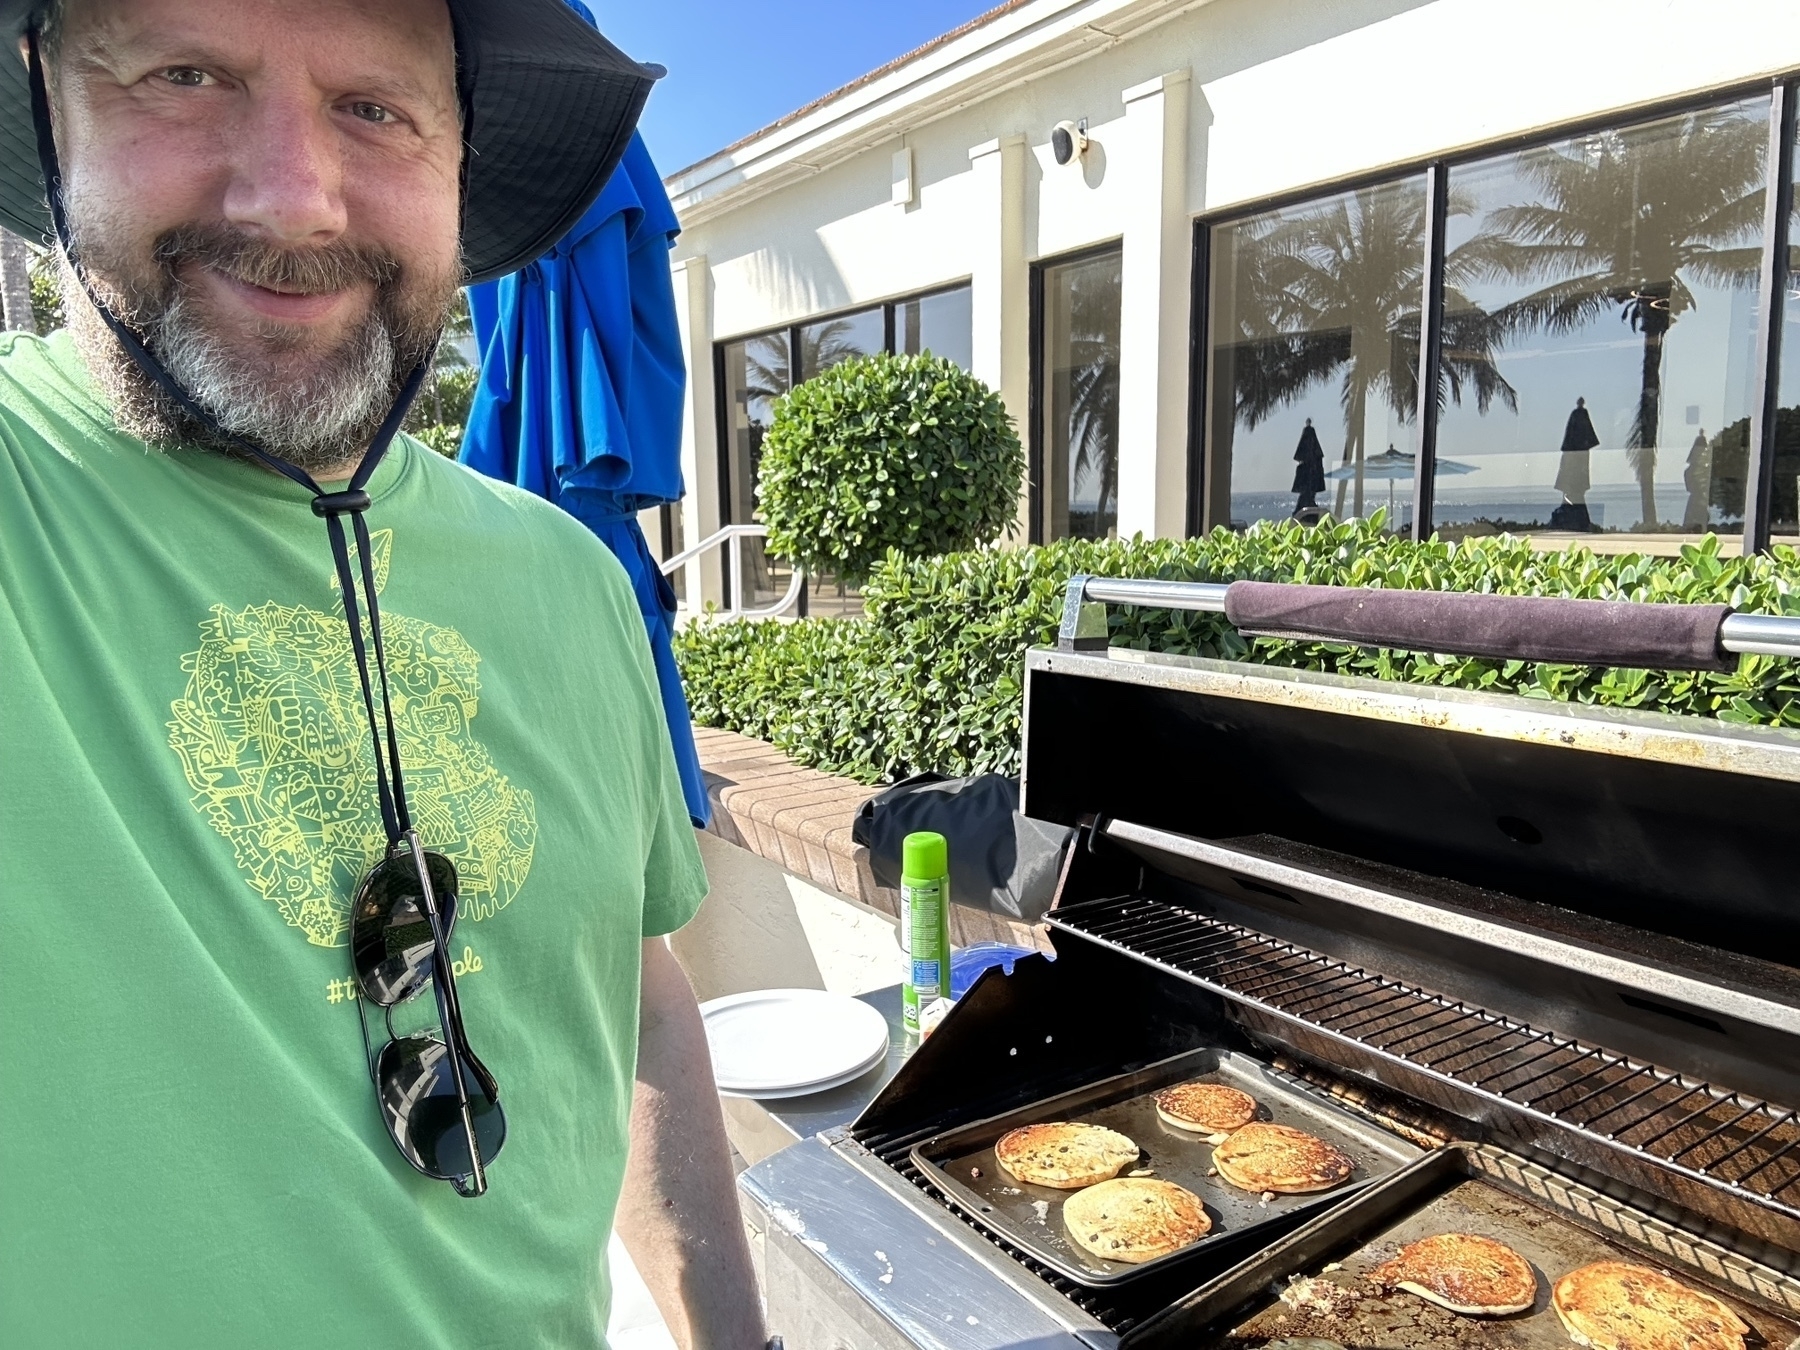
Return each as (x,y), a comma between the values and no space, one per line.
(1068,139)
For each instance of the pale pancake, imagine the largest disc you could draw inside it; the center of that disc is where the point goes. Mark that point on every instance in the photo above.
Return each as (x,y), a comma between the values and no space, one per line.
(1614,1306)
(1264,1156)
(1066,1156)
(1135,1219)
(1205,1108)
(1467,1274)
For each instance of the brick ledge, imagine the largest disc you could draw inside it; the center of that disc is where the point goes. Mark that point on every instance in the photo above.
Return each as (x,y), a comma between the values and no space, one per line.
(800,819)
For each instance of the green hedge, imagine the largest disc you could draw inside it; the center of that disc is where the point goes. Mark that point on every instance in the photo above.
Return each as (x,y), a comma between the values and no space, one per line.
(932,678)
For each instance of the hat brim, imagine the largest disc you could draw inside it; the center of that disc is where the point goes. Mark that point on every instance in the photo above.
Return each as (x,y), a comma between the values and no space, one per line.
(550,106)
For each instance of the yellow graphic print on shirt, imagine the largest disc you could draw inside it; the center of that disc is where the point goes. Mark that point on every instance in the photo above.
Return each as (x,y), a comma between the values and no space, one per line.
(274,741)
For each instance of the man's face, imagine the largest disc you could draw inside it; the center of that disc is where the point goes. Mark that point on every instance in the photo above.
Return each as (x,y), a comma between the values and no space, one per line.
(269,191)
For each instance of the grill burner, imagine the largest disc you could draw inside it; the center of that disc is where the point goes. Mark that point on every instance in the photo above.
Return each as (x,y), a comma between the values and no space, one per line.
(1715,1136)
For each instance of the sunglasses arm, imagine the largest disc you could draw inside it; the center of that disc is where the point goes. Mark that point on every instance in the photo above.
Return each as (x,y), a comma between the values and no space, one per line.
(450,1010)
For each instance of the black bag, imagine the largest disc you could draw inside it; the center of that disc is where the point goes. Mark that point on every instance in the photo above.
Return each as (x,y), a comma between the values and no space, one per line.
(1572,516)
(1000,860)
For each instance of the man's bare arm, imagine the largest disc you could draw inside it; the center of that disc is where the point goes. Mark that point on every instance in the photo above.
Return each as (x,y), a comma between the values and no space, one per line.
(678,1214)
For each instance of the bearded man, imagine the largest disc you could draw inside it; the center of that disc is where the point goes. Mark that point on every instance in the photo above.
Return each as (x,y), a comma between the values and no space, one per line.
(339,826)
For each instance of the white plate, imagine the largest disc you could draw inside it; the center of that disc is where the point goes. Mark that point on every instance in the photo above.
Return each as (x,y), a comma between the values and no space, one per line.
(776,1094)
(785,1042)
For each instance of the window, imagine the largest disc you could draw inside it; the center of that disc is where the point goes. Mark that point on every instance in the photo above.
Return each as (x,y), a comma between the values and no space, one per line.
(1075,442)
(755,371)
(822,345)
(1600,305)
(1595,340)
(1784,486)
(668,518)
(1315,342)
(942,324)
(752,375)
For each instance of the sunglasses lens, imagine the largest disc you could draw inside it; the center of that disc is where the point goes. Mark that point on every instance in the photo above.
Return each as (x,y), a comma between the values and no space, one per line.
(390,936)
(418,1102)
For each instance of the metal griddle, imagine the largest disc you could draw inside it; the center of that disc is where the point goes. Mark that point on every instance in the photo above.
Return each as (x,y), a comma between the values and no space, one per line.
(1030,1217)
(1454,1190)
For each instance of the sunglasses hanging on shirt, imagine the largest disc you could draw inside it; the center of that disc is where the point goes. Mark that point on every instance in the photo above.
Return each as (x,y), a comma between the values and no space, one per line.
(439,1102)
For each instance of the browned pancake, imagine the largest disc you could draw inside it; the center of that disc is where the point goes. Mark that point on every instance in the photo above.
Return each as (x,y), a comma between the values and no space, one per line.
(1205,1108)
(1264,1156)
(1614,1306)
(1476,1276)
(1135,1219)
(1066,1156)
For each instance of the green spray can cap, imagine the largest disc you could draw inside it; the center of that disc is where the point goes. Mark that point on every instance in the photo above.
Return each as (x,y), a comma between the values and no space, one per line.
(924,854)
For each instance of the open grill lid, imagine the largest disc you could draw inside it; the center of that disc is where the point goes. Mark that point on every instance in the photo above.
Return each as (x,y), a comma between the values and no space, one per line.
(1680,826)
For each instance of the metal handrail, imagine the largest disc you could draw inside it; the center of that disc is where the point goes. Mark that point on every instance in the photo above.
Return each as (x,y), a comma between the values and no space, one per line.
(1084,613)
(732,537)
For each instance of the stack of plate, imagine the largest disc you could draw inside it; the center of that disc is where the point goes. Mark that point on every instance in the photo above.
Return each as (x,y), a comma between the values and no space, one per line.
(789,1042)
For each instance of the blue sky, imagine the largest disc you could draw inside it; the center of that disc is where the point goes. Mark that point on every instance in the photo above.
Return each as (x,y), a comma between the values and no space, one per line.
(736,67)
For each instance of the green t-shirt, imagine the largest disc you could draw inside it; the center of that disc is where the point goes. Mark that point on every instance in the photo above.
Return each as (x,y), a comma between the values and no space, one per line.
(190,1150)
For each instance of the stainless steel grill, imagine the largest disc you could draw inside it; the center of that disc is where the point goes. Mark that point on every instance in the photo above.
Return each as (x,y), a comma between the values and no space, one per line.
(1716,1136)
(1538,939)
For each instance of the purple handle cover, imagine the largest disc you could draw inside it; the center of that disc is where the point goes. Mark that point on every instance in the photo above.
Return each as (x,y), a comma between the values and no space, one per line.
(1504,627)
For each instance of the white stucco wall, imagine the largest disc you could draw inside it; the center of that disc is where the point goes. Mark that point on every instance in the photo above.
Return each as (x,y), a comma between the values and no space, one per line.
(1275,95)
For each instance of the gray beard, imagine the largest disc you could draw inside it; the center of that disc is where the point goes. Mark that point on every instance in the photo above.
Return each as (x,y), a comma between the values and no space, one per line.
(319,422)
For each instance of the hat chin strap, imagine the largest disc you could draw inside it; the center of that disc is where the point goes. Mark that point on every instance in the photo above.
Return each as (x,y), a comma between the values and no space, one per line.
(352,501)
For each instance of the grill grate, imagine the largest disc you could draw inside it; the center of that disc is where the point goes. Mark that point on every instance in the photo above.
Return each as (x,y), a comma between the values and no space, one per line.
(1724,1138)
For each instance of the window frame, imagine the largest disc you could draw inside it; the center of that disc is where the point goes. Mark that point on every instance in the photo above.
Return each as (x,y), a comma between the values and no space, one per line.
(1034,402)
(1783,91)
(790,332)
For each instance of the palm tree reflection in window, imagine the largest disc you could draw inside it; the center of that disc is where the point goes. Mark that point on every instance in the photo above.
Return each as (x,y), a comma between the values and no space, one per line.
(1627,222)
(1081,358)
(1331,292)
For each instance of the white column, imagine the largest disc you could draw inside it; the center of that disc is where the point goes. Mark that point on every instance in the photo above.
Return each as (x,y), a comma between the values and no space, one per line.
(999,298)
(1153,309)
(700,447)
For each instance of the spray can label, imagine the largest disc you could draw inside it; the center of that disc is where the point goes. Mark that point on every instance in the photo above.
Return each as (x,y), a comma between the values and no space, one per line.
(922,931)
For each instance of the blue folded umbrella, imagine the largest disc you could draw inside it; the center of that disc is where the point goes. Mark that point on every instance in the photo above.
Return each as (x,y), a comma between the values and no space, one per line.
(580,396)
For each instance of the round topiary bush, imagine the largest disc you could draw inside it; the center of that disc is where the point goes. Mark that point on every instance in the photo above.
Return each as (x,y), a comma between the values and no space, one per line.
(887,452)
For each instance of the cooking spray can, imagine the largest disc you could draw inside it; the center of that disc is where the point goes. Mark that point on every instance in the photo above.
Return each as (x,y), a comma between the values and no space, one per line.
(924,922)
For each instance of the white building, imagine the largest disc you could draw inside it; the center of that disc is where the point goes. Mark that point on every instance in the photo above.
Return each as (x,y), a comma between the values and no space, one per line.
(1269,193)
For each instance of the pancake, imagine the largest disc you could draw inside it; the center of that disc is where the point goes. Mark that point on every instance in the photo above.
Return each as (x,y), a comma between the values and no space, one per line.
(1264,1156)
(1066,1156)
(1475,1276)
(1614,1306)
(1135,1219)
(1205,1108)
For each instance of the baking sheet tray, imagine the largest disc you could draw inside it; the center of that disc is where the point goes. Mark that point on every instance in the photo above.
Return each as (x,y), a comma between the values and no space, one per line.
(1030,1217)
(1443,1193)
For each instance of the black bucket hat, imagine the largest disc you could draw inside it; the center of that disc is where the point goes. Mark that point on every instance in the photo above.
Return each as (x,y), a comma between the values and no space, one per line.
(549,103)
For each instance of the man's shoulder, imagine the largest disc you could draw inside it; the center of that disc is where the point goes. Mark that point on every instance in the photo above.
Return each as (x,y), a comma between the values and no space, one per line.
(530,554)
(18,345)
(505,505)
(28,361)
(44,375)
(43,389)
(512,521)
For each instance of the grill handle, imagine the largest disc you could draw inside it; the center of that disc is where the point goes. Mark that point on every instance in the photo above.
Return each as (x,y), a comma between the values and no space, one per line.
(1518,628)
